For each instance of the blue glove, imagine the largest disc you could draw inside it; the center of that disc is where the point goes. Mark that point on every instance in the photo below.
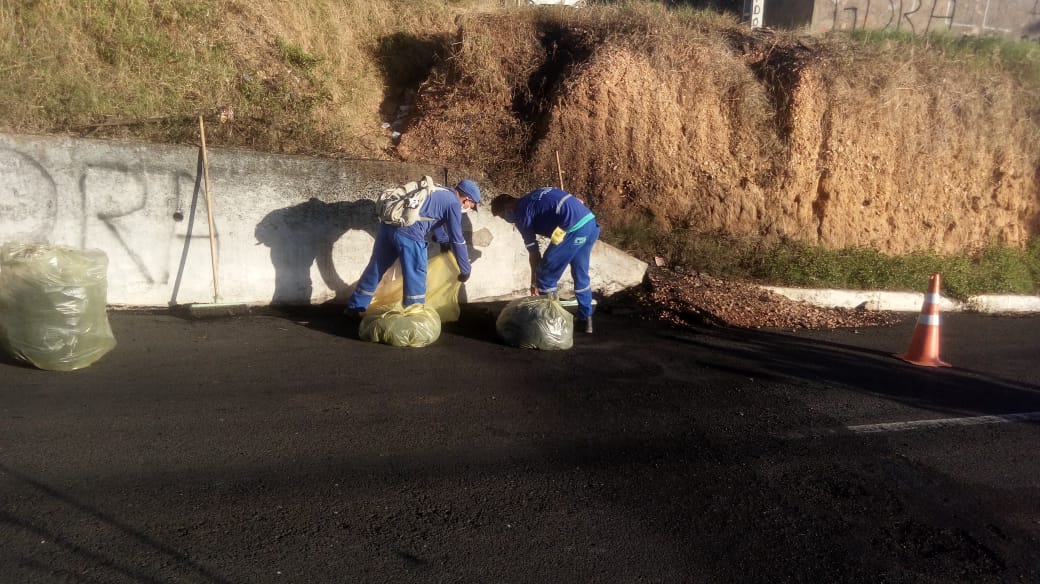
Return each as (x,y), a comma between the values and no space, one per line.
(463,277)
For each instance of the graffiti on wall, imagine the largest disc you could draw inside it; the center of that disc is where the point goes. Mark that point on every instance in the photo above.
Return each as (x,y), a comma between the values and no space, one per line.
(114,207)
(28,197)
(756,13)
(145,213)
(1017,18)
(121,205)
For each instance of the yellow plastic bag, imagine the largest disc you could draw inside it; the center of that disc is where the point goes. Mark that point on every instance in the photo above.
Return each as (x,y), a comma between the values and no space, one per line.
(414,326)
(442,288)
(53,302)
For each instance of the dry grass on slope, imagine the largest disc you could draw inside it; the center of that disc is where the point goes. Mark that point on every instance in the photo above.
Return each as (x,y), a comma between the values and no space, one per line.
(926,153)
(676,119)
(686,122)
(310,76)
(466,112)
(925,156)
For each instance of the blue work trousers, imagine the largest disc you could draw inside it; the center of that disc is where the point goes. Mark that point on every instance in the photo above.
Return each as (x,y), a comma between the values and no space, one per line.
(574,251)
(389,247)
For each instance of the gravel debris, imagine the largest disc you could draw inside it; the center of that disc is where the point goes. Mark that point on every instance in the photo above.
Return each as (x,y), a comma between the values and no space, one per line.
(685,299)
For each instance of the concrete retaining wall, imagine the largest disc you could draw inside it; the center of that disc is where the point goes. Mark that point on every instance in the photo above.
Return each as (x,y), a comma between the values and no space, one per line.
(287,229)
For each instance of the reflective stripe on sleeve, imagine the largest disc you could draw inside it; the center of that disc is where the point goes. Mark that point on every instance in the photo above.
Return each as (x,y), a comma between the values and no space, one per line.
(559,206)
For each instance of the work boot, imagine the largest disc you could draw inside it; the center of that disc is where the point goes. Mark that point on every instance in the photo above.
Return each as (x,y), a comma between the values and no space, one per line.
(584,325)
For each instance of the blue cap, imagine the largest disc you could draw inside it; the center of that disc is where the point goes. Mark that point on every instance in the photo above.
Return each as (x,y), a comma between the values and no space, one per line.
(470,189)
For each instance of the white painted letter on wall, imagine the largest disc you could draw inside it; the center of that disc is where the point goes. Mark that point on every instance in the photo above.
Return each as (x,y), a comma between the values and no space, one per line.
(757,13)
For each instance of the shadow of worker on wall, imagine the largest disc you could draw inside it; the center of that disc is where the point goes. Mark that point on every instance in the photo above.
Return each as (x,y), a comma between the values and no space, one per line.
(474,254)
(304,235)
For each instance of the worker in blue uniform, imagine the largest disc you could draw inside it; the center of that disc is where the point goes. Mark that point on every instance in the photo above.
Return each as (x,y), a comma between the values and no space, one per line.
(572,230)
(441,215)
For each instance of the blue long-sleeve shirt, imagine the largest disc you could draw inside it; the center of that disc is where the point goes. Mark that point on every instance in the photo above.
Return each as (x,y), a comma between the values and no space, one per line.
(441,213)
(541,211)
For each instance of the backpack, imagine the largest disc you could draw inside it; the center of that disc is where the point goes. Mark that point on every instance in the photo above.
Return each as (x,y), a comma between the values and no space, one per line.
(399,206)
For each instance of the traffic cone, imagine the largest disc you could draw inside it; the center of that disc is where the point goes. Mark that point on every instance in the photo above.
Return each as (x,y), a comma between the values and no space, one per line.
(924,345)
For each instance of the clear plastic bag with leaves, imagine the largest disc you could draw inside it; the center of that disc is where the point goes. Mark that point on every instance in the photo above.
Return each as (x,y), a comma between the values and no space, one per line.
(53,305)
(536,322)
(416,325)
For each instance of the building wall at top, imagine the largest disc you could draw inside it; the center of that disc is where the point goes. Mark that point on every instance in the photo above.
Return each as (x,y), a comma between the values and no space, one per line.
(788,14)
(1011,18)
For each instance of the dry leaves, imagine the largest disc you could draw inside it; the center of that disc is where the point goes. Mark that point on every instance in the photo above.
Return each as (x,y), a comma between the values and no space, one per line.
(699,298)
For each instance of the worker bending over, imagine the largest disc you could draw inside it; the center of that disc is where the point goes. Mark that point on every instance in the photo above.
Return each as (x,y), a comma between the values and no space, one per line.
(572,230)
(440,213)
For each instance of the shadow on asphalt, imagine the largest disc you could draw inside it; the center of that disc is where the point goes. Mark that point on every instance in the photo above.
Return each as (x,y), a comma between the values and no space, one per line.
(642,430)
(844,358)
(792,357)
(476,320)
(778,355)
(86,551)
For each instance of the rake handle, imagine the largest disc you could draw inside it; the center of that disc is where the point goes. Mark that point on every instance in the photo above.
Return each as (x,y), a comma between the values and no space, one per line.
(209,211)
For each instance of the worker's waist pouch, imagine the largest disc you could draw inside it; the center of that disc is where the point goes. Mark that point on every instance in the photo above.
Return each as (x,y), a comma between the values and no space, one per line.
(559,233)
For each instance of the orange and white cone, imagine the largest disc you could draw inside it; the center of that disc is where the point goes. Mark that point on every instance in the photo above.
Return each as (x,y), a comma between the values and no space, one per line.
(924,345)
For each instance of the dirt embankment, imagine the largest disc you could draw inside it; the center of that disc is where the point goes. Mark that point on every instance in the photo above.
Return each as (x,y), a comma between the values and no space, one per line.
(762,135)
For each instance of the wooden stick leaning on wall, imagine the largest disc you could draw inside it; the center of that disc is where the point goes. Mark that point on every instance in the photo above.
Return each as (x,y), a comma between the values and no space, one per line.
(559,169)
(217,308)
(209,212)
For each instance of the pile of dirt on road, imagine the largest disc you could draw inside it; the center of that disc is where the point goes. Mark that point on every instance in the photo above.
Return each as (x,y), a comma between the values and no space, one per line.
(686,299)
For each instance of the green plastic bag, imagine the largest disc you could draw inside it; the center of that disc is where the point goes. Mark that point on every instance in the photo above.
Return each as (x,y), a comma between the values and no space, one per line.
(536,322)
(416,325)
(53,302)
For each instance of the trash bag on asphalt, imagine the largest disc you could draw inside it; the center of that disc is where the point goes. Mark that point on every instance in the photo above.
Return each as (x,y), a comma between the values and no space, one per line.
(442,288)
(53,302)
(416,325)
(536,322)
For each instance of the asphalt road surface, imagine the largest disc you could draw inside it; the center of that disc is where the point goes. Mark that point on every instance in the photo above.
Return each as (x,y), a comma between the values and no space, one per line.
(280,448)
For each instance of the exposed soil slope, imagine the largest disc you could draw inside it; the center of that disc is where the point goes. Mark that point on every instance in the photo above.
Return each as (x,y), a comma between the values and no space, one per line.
(761,134)
(678,118)
(682,120)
